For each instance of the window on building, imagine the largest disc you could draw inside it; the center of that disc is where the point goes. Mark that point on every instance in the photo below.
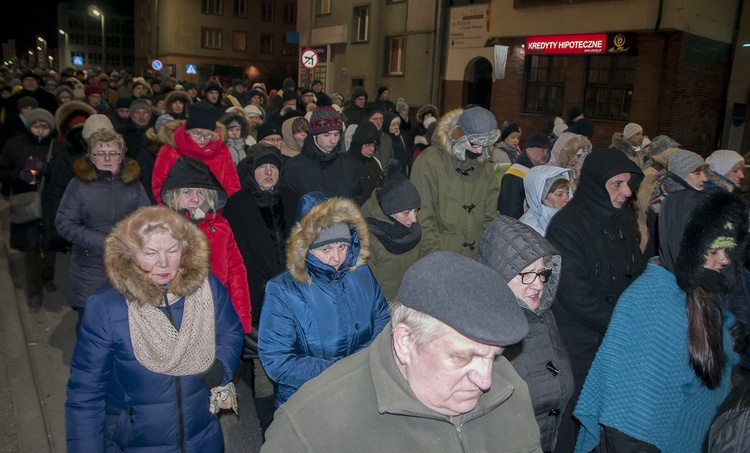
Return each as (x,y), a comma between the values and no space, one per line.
(266,43)
(545,84)
(288,48)
(361,24)
(290,13)
(394,55)
(211,6)
(128,60)
(240,8)
(609,86)
(211,38)
(267,11)
(323,7)
(76,22)
(239,41)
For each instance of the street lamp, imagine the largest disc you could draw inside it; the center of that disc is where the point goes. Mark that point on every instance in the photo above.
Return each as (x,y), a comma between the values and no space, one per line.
(65,52)
(96,12)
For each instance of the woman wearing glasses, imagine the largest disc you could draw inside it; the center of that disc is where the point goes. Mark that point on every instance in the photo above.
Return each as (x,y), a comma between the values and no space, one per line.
(200,139)
(531,267)
(105,190)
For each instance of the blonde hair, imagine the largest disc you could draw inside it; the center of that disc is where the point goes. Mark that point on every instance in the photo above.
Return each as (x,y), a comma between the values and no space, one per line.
(171,198)
(106,136)
(130,234)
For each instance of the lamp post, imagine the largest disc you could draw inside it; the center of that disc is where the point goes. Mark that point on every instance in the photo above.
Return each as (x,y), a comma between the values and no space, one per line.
(65,55)
(96,12)
(41,48)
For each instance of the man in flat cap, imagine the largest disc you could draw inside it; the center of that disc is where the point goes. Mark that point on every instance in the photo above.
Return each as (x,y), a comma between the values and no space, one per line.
(433,380)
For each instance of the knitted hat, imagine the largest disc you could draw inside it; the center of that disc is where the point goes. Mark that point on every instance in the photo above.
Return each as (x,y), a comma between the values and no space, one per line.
(162,120)
(201,116)
(266,154)
(289,95)
(40,115)
(401,105)
(509,129)
(435,284)
(722,160)
(325,119)
(631,129)
(253,110)
(382,90)
(538,141)
(92,89)
(139,104)
(337,99)
(337,233)
(266,129)
(684,162)
(646,142)
(27,101)
(123,103)
(94,123)
(398,194)
(213,86)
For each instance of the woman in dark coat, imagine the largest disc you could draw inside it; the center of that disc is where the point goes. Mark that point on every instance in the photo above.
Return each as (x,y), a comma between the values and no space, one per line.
(365,144)
(105,190)
(23,165)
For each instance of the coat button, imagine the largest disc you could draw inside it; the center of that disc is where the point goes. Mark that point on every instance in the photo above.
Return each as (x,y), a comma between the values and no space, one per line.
(554,412)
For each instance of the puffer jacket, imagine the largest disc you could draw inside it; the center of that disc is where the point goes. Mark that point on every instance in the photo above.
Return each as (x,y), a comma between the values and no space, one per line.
(314,315)
(114,403)
(539,214)
(508,246)
(91,206)
(215,155)
(226,261)
(459,198)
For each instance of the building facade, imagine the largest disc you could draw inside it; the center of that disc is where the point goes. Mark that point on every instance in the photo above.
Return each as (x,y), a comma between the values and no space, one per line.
(195,39)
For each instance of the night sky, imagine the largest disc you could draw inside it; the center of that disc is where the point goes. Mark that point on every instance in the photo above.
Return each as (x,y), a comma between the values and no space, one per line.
(25,20)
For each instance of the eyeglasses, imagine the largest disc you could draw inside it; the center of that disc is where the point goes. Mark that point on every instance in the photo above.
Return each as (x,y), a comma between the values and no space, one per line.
(201,135)
(110,154)
(528,278)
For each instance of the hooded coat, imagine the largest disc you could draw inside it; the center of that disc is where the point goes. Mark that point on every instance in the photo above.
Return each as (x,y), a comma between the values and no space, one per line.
(633,153)
(401,143)
(370,170)
(177,96)
(116,404)
(539,215)
(353,113)
(215,154)
(314,315)
(459,198)
(289,146)
(336,174)
(91,206)
(226,261)
(509,247)
(262,222)
(238,147)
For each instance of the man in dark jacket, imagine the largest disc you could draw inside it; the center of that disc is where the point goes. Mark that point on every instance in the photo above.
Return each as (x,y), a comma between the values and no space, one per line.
(595,236)
(321,165)
(30,83)
(355,112)
(383,102)
(512,194)
(134,129)
(365,143)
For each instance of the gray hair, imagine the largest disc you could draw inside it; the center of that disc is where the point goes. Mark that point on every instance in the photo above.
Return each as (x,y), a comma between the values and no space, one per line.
(423,327)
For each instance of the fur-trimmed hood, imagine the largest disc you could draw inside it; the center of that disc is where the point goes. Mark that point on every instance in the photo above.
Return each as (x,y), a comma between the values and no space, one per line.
(129,280)
(230,116)
(720,181)
(68,110)
(86,171)
(452,139)
(318,215)
(167,131)
(154,140)
(427,108)
(175,96)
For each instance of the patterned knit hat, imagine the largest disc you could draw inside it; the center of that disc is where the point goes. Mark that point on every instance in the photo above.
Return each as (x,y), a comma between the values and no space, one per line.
(325,119)
(722,160)
(398,193)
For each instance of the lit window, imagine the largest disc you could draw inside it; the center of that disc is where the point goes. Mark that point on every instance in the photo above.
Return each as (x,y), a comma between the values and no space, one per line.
(324,7)
(394,55)
(361,26)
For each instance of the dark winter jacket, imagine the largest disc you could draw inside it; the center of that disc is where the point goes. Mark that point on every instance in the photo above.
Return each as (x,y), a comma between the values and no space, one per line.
(226,262)
(135,136)
(314,315)
(509,246)
(400,143)
(370,171)
(92,204)
(46,100)
(730,430)
(352,112)
(335,173)
(116,404)
(177,96)
(512,196)
(261,221)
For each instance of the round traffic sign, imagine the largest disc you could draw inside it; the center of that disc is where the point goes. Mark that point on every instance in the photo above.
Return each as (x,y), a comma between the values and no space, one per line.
(309,58)
(157,65)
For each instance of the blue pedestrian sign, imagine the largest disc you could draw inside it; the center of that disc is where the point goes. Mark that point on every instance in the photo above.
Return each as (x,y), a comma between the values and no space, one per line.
(191,69)
(77,60)
(157,65)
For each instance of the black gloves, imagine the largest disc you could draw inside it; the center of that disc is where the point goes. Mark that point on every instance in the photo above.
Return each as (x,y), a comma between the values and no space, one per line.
(212,376)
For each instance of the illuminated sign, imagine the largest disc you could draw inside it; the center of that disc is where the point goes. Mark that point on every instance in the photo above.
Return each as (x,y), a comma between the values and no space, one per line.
(588,44)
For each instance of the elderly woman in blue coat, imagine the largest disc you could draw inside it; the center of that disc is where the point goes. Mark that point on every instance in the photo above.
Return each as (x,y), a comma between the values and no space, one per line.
(157,348)
(327,304)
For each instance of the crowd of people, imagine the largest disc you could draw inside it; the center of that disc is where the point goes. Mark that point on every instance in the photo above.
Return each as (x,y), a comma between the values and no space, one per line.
(401,279)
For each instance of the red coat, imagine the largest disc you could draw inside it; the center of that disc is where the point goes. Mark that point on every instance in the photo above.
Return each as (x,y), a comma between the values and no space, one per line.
(216,155)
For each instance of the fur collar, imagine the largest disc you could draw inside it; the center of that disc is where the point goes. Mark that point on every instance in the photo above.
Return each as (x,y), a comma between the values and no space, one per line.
(720,181)
(230,116)
(306,231)
(68,110)
(86,171)
(130,281)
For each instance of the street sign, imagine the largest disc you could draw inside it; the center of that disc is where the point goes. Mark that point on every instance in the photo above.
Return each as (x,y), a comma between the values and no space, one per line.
(191,69)
(309,58)
(77,61)
(157,65)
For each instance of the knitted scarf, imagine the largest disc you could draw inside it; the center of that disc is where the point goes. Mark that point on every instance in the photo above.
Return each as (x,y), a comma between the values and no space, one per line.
(395,237)
(161,348)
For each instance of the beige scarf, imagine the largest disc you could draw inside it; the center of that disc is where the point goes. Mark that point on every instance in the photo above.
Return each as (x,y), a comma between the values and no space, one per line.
(161,348)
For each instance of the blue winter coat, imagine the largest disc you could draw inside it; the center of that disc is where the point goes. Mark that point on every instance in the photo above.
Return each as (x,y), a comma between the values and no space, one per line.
(116,404)
(314,315)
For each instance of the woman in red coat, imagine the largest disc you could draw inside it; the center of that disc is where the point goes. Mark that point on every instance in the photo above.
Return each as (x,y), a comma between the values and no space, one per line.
(192,190)
(200,139)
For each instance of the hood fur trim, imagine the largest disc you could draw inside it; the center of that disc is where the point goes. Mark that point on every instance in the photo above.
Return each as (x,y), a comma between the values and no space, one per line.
(85,170)
(65,111)
(444,129)
(228,117)
(307,230)
(427,108)
(129,280)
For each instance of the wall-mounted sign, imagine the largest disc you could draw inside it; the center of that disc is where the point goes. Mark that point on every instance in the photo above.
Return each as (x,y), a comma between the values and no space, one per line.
(77,61)
(588,44)
(309,58)
(156,65)
(191,69)
(469,25)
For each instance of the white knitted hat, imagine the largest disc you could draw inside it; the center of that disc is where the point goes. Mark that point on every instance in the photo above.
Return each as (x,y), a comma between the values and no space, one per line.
(631,129)
(721,161)
(94,123)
